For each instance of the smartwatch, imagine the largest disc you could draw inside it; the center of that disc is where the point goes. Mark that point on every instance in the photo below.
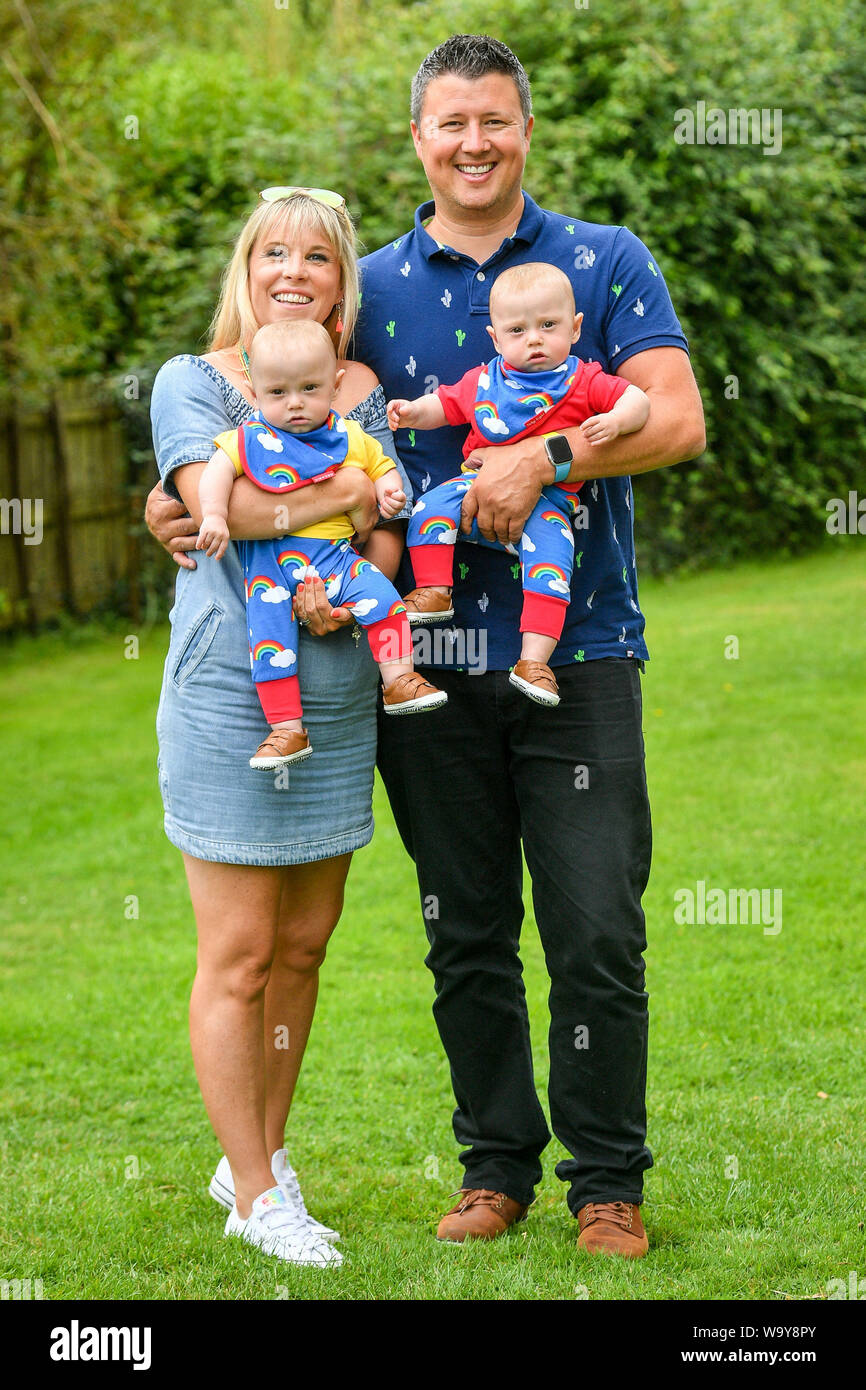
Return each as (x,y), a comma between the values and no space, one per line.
(558,450)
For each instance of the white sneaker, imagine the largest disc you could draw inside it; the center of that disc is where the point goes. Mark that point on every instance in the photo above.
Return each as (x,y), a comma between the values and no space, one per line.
(222,1189)
(287,1179)
(277,1228)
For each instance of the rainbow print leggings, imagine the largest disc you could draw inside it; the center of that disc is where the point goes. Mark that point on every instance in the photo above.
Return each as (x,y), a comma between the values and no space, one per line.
(546,549)
(272,571)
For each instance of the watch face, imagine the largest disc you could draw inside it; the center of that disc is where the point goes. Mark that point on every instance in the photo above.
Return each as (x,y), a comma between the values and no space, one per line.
(559,450)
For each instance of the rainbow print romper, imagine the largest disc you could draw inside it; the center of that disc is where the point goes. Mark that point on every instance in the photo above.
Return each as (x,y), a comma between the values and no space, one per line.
(280,462)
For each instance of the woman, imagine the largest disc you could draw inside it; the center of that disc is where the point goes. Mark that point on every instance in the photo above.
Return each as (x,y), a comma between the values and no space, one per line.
(266,862)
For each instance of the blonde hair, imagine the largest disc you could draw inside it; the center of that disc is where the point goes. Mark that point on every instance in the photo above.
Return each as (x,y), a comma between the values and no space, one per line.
(528,277)
(234,321)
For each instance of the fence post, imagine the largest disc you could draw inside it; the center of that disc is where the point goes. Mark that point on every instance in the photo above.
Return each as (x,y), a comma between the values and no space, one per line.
(20,549)
(64,520)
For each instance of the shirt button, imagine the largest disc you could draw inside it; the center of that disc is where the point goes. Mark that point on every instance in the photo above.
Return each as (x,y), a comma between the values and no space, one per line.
(455,258)
(480,275)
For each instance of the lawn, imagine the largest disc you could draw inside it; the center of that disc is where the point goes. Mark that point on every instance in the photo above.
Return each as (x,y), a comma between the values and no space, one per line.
(757,771)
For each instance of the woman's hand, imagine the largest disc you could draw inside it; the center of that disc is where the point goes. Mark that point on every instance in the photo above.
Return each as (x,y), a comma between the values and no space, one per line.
(170,523)
(313,609)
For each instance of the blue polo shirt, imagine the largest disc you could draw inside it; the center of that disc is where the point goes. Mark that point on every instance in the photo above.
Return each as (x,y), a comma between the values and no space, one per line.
(424,312)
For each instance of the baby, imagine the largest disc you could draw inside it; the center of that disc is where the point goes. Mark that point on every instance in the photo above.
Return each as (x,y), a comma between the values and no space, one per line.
(533,387)
(296,438)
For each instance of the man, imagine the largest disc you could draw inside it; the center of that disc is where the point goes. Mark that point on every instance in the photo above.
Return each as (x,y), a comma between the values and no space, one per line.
(498,771)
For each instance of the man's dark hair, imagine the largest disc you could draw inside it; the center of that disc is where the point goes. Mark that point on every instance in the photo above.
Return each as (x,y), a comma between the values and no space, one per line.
(471,56)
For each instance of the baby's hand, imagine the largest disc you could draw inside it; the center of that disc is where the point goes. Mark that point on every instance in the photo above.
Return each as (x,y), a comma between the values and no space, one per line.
(600,429)
(389,494)
(399,415)
(213,535)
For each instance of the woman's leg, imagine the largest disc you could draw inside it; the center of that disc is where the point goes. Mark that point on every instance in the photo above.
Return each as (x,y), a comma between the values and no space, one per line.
(310,907)
(237,910)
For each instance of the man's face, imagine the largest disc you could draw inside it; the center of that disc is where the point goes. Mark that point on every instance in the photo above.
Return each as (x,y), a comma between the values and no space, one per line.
(295,393)
(472,143)
(534,328)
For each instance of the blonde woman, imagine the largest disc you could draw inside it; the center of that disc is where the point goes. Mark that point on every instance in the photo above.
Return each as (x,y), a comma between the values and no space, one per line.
(266,862)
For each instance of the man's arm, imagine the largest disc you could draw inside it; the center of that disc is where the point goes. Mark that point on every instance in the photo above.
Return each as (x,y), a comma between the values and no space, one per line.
(252,512)
(512,475)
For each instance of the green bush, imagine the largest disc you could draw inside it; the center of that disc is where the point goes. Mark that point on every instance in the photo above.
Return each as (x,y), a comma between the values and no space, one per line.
(761,252)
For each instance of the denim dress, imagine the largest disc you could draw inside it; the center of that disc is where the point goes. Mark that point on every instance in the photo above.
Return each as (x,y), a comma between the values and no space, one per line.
(210,720)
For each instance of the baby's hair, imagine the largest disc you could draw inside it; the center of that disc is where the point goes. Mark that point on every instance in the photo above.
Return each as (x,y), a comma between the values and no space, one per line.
(528,277)
(291,334)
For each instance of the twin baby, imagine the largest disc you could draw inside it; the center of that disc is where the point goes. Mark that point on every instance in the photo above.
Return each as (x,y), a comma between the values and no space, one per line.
(533,386)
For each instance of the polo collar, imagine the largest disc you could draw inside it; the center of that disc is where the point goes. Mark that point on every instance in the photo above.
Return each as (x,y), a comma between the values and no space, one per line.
(528,228)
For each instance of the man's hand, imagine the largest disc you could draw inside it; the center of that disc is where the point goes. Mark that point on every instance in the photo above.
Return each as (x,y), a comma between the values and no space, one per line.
(170,523)
(313,610)
(506,490)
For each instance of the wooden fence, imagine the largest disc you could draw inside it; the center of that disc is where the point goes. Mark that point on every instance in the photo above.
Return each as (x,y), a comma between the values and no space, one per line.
(66,511)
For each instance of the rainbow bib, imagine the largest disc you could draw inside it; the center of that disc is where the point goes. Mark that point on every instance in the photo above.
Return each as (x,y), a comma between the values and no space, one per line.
(507,401)
(279,462)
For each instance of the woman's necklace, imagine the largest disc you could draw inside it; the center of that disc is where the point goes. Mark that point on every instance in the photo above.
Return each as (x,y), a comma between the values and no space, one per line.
(245,363)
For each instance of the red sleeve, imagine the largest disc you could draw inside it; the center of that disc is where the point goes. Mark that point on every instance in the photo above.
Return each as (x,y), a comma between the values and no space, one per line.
(603,391)
(458,401)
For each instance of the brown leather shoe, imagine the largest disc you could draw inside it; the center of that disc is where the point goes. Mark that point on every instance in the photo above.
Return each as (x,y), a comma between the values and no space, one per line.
(427,606)
(537,681)
(612,1228)
(480,1215)
(411,694)
(281,746)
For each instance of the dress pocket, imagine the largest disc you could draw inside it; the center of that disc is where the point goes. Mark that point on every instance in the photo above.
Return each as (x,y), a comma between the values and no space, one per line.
(196,644)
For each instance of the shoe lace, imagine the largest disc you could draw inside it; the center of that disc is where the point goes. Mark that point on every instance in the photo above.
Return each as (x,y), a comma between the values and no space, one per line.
(478,1196)
(618,1213)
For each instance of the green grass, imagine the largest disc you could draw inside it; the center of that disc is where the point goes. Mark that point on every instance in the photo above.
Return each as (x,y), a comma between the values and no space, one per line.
(757,771)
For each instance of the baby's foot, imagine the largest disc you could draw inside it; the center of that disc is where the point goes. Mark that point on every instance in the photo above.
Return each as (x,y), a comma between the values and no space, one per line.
(428,605)
(411,694)
(536,680)
(280,747)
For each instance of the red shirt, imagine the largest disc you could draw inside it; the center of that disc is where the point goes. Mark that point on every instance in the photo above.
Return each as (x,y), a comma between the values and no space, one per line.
(593,392)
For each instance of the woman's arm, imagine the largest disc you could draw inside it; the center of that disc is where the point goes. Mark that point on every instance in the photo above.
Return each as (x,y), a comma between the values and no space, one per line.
(253,514)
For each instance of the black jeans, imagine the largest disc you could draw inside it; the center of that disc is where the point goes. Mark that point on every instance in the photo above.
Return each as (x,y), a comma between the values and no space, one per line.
(466,785)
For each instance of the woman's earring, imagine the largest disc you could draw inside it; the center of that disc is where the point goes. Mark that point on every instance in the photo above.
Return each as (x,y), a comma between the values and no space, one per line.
(338,326)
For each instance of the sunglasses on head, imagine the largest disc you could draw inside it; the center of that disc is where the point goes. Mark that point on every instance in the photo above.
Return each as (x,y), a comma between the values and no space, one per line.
(321,195)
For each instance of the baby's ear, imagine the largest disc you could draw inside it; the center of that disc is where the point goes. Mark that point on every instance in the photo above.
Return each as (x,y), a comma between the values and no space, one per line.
(492,332)
(337,379)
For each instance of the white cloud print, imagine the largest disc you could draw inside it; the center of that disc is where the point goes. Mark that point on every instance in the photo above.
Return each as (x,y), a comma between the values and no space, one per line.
(340,426)
(527,542)
(268,441)
(559,585)
(363,607)
(484,381)
(447,537)
(568,536)
(277,595)
(419,507)
(286,658)
(495,427)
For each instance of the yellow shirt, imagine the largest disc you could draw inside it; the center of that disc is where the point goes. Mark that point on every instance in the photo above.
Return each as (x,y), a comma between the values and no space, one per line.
(363,452)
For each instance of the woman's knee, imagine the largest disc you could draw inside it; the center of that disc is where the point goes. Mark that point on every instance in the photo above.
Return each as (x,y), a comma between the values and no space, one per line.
(242,975)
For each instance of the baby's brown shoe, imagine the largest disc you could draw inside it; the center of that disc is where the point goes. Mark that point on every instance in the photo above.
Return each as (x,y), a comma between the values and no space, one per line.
(428,606)
(282,746)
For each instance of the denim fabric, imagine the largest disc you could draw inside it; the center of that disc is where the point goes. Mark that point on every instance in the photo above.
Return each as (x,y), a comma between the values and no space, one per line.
(210,721)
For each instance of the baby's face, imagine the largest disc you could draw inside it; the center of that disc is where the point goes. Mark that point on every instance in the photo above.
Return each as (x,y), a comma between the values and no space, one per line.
(294,393)
(534,328)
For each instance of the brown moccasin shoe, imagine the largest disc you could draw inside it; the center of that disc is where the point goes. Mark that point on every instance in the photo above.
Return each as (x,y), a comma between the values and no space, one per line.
(411,694)
(280,747)
(612,1228)
(480,1215)
(537,681)
(426,606)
